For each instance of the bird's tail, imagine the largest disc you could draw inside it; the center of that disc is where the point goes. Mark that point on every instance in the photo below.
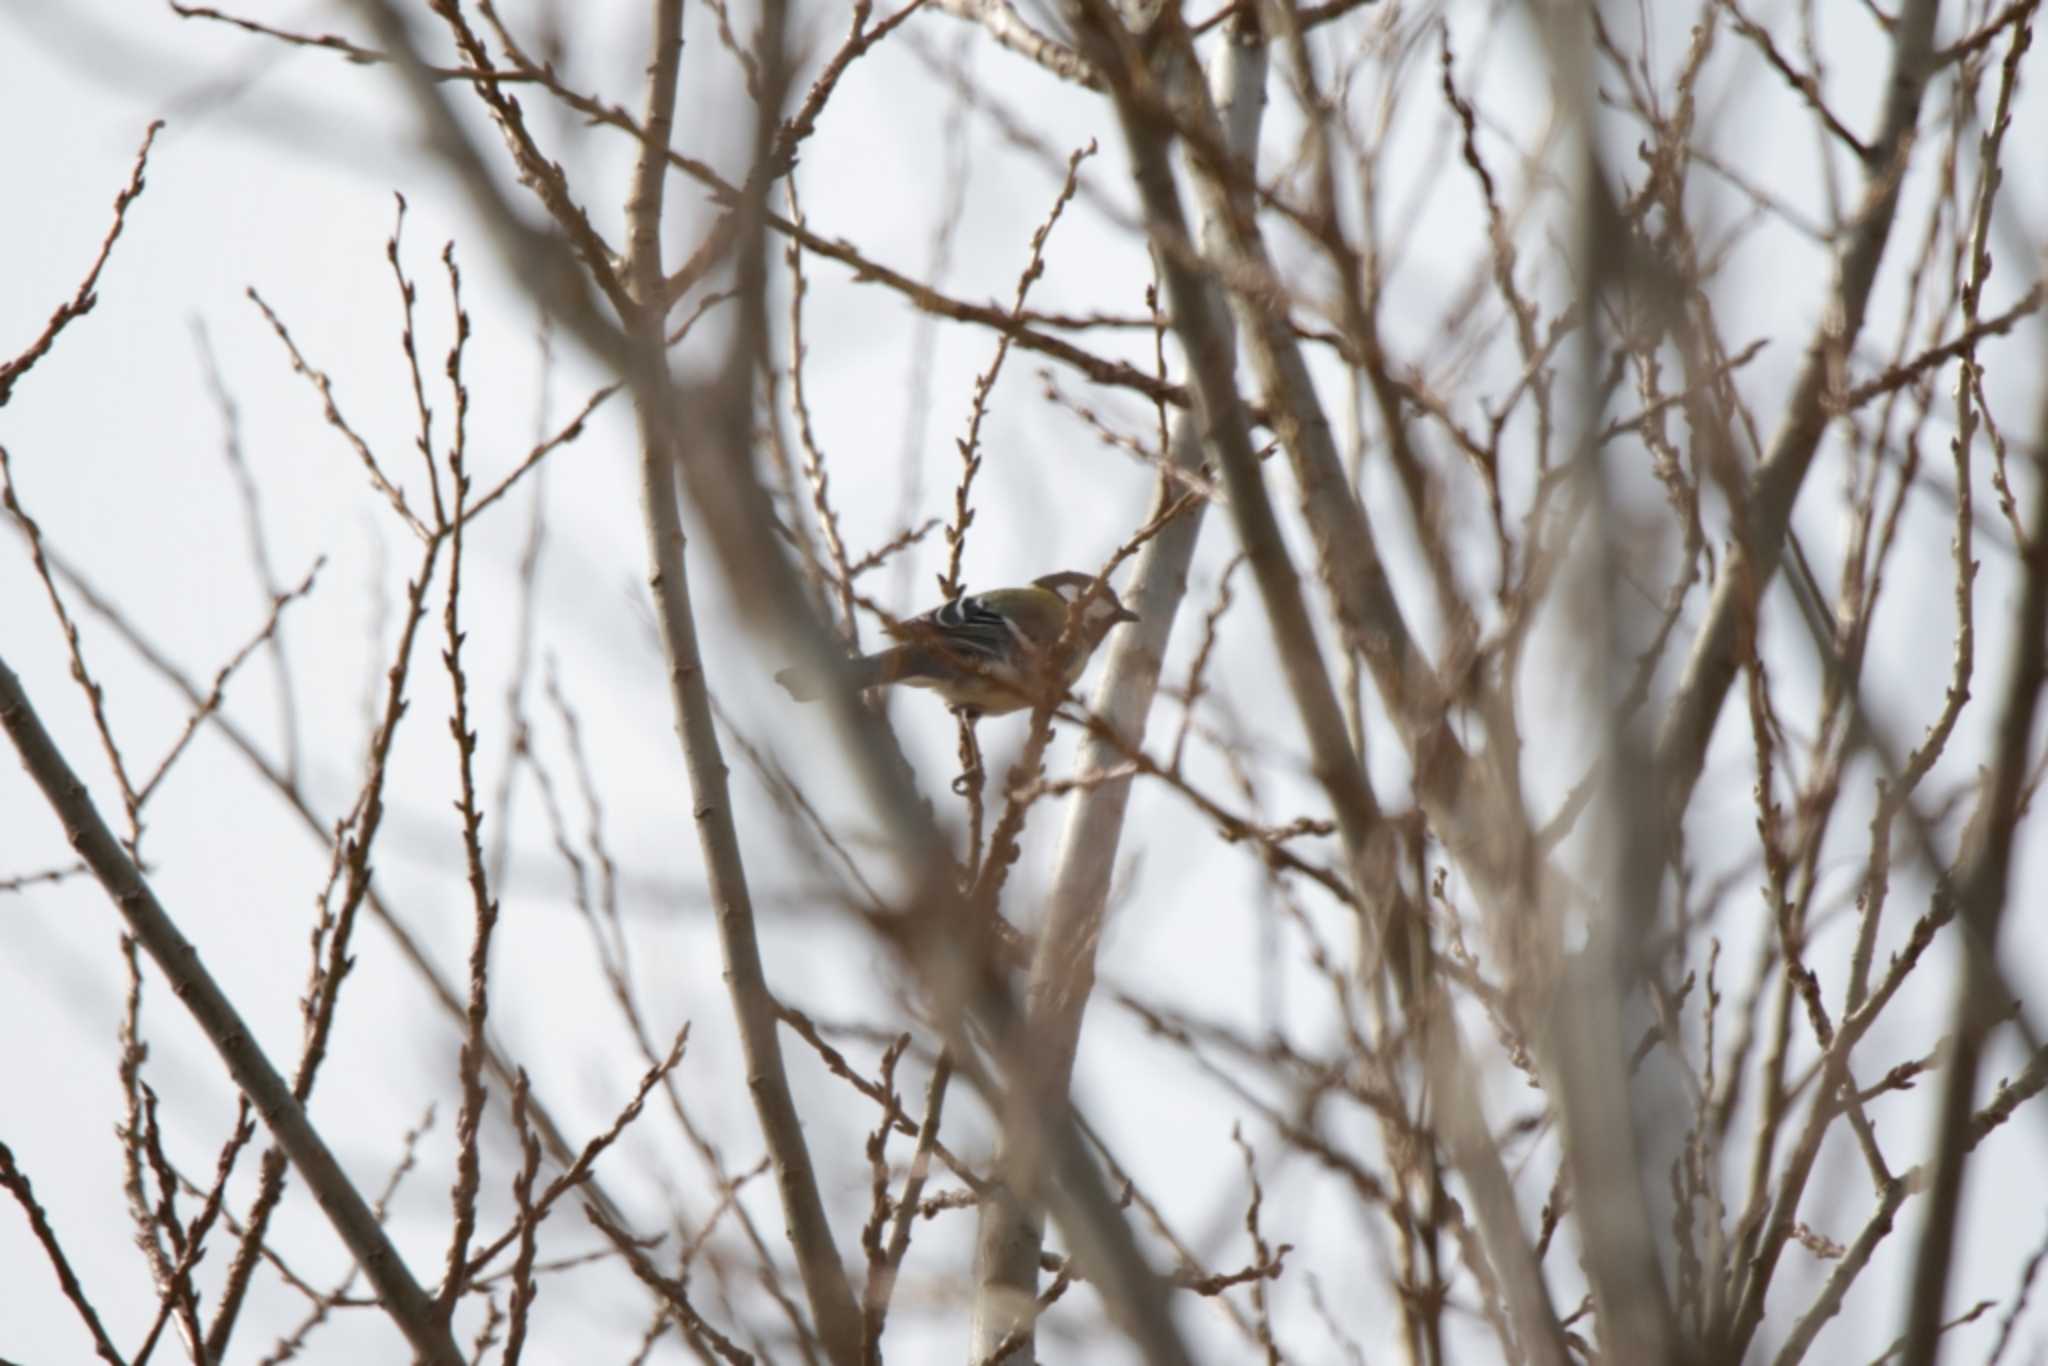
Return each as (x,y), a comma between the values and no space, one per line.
(868,671)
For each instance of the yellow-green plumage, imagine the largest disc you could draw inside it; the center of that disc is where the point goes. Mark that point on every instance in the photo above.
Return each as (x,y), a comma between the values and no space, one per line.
(983,652)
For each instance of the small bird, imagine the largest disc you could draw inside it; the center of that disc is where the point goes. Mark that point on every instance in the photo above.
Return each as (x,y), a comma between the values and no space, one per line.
(981,650)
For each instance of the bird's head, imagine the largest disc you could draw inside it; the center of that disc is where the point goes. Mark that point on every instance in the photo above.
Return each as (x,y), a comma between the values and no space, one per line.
(1103,610)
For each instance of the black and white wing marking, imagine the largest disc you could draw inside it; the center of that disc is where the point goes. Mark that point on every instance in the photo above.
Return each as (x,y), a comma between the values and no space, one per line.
(972,631)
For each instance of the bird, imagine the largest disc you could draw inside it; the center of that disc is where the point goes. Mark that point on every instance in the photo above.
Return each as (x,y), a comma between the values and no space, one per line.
(980,652)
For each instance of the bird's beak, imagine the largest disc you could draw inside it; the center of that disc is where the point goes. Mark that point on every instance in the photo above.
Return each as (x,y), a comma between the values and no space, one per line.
(1124,614)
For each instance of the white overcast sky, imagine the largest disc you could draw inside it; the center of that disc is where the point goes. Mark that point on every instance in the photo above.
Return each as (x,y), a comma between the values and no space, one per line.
(276,172)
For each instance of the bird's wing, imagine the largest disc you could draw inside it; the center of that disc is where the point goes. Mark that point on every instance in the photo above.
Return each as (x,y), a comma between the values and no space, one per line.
(1035,615)
(967,627)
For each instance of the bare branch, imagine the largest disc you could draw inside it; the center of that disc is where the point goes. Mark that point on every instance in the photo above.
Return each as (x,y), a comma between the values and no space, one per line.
(404,1301)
